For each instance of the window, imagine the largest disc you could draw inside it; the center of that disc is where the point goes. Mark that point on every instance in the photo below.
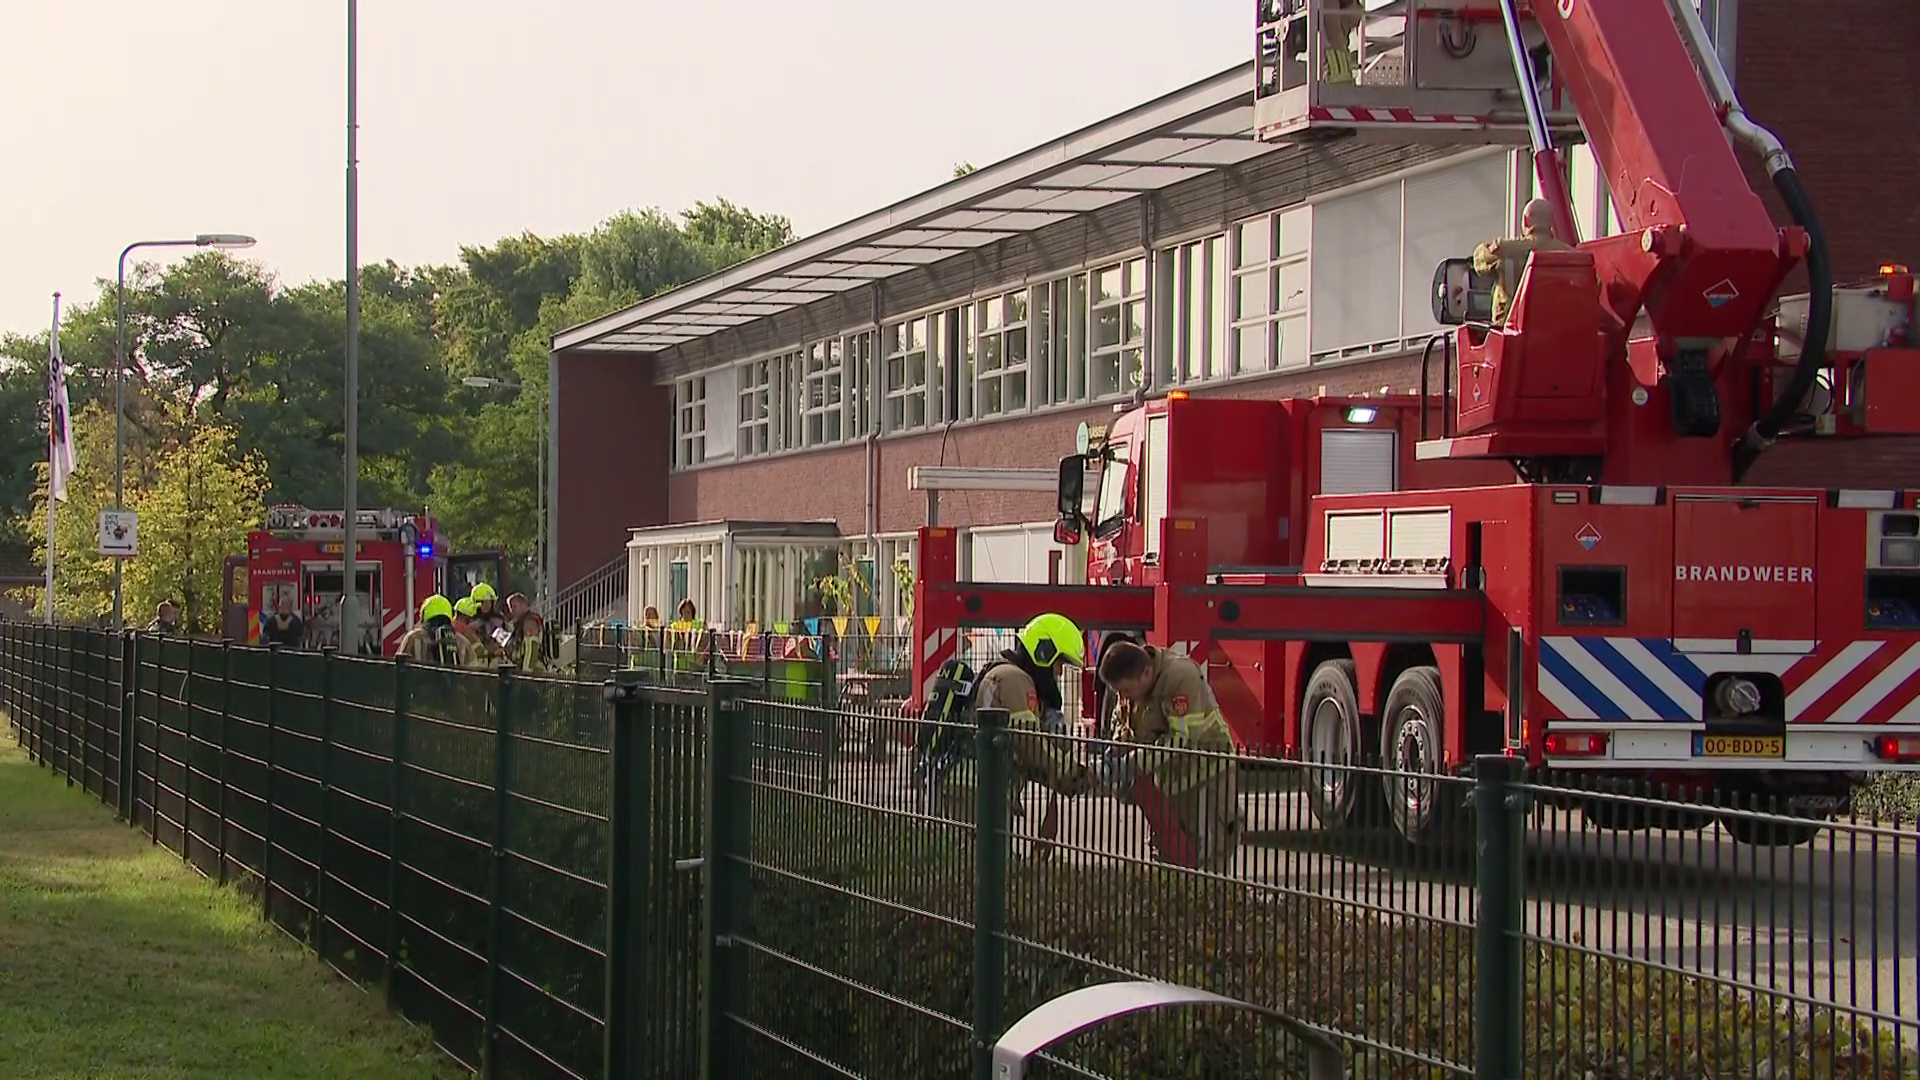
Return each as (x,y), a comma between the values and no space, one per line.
(1060,340)
(756,407)
(907,386)
(824,393)
(857,356)
(1117,325)
(1000,355)
(953,374)
(1192,327)
(1269,292)
(1111,508)
(789,389)
(690,423)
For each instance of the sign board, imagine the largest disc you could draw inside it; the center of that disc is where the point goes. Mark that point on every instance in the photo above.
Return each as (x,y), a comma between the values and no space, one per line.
(119,533)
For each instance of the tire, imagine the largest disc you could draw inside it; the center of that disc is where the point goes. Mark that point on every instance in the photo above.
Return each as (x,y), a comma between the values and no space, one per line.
(1330,732)
(1763,832)
(1421,805)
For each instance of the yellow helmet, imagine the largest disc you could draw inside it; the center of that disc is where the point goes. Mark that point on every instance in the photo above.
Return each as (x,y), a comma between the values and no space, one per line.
(483,592)
(1050,638)
(436,607)
(467,606)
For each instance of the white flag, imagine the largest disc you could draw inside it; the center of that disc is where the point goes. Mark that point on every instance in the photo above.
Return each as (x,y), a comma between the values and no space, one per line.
(59,427)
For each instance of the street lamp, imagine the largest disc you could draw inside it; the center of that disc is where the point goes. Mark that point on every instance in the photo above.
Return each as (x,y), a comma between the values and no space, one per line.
(202,240)
(541,599)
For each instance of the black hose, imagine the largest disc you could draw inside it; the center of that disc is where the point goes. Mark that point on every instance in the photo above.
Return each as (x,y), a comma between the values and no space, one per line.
(1813,350)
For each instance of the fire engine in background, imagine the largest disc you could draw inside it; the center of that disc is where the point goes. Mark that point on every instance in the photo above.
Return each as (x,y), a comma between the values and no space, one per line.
(296,563)
(1552,556)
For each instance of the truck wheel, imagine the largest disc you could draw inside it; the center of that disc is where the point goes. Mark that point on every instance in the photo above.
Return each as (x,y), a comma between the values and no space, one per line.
(1331,738)
(1764,832)
(1420,801)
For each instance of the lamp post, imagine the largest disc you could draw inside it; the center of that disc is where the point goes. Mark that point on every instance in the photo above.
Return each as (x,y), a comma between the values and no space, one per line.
(203,240)
(540,598)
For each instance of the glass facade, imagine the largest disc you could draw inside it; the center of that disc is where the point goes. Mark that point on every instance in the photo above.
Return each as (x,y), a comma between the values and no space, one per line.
(1342,278)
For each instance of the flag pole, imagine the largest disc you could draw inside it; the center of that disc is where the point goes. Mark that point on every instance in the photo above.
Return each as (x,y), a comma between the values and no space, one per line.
(53,438)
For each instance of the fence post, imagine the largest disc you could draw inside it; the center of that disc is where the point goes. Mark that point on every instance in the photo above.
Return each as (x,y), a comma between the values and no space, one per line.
(153,752)
(992,812)
(127,720)
(629,877)
(186,756)
(226,717)
(266,819)
(1500,814)
(729,844)
(63,709)
(396,812)
(329,659)
(496,868)
(830,705)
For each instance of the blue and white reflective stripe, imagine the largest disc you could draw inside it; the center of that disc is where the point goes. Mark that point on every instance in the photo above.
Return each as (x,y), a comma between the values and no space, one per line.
(1627,678)
(1589,678)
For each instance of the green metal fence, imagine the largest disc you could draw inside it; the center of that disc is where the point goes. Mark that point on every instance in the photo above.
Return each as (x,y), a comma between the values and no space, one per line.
(751,885)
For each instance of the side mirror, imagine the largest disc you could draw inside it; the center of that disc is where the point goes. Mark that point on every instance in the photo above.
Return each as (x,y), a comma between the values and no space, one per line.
(1066,531)
(1071,488)
(1461,294)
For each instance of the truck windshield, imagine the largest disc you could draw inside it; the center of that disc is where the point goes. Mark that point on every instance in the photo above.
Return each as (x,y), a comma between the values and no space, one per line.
(1111,508)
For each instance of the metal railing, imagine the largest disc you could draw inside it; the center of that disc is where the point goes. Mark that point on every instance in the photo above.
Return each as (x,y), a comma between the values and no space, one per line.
(591,596)
(766,885)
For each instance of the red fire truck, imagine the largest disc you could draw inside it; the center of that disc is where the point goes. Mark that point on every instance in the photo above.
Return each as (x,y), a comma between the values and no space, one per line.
(1553,555)
(296,563)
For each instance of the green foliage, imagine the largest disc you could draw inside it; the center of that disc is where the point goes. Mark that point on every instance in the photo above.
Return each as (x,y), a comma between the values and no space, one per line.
(219,341)
(202,498)
(885,901)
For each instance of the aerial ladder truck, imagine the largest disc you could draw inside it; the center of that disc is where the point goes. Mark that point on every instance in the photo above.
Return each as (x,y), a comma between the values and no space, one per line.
(1563,561)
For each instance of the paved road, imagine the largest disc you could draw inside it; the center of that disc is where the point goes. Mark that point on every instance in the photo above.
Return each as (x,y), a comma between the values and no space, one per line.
(1835,921)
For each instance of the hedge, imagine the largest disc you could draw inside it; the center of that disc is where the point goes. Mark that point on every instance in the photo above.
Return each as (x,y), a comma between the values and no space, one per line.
(865,903)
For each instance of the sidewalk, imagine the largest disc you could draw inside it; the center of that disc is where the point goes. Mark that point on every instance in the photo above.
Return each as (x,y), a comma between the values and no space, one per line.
(117,961)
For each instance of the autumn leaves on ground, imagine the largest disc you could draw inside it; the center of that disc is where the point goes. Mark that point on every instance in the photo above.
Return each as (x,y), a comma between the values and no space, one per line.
(117,962)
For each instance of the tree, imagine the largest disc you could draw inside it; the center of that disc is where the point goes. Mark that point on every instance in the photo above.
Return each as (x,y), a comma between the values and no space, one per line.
(488,497)
(204,497)
(83,578)
(963,168)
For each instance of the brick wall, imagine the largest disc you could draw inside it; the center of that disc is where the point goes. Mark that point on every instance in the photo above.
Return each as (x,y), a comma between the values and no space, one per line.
(614,453)
(1837,81)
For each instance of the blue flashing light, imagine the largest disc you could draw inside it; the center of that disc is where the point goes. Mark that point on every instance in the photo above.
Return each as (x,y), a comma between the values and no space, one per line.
(426,549)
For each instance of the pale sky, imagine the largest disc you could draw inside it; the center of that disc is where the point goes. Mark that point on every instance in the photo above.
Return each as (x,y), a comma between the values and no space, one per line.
(130,120)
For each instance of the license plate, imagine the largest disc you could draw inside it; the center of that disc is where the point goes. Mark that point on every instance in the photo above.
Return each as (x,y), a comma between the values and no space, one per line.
(1749,746)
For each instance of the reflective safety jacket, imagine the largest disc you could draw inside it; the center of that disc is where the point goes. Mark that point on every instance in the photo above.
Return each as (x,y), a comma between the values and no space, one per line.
(1178,711)
(1003,685)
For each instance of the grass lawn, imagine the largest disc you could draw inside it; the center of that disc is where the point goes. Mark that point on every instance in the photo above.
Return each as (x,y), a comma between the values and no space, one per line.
(117,962)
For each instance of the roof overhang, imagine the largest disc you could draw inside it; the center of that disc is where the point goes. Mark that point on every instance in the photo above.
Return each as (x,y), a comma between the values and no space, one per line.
(1184,135)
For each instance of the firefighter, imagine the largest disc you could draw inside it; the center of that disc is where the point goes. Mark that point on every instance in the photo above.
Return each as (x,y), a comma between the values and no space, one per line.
(1025,683)
(433,640)
(528,648)
(482,651)
(489,617)
(1507,259)
(1191,799)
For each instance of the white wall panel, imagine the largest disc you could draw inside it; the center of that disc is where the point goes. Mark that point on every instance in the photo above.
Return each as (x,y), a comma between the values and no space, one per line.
(1448,213)
(1356,263)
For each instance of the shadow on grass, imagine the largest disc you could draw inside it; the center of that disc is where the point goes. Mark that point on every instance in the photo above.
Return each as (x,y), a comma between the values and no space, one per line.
(122,962)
